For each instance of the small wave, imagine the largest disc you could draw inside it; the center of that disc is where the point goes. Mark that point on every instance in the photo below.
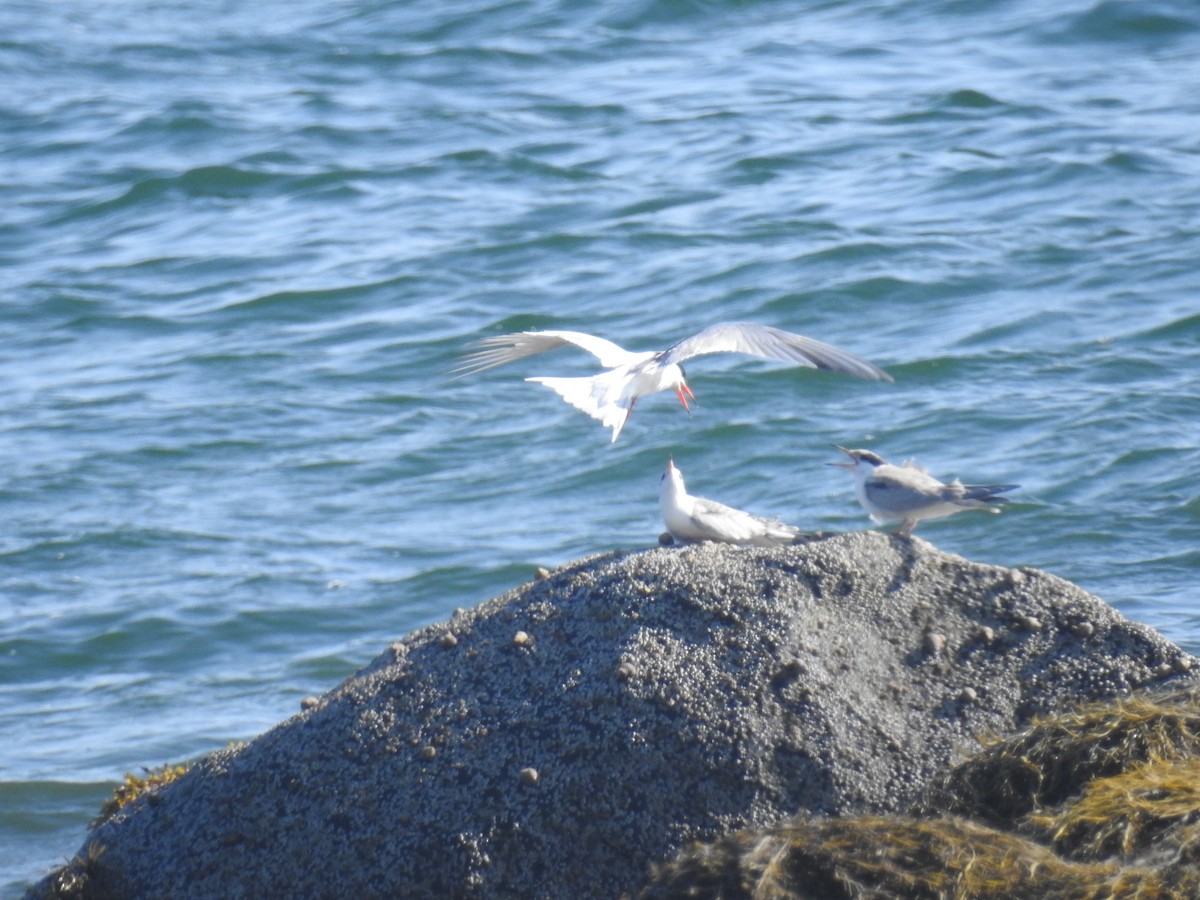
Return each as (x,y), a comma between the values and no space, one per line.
(145,189)
(962,104)
(518,166)
(970,99)
(190,120)
(850,252)
(1126,21)
(321,305)
(221,181)
(1185,329)
(1133,162)
(667,201)
(658,12)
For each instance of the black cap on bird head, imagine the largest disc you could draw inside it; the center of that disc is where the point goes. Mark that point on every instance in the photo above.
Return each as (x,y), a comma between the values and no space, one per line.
(871,458)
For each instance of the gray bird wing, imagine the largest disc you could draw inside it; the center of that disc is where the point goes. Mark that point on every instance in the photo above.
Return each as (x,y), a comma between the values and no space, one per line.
(905,489)
(505,348)
(899,495)
(772,343)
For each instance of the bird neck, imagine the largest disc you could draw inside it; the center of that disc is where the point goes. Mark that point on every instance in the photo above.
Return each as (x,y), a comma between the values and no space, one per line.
(673,490)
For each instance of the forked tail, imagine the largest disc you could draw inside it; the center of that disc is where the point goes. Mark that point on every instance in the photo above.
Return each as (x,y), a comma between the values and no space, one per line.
(599,396)
(777,533)
(982,496)
(988,491)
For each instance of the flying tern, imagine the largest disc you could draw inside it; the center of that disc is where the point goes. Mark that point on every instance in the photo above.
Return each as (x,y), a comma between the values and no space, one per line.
(611,395)
(691,518)
(910,494)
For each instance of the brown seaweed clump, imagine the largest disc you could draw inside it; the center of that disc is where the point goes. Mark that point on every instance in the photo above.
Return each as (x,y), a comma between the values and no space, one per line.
(1100,802)
(72,880)
(134,786)
(881,856)
(1057,756)
(1154,806)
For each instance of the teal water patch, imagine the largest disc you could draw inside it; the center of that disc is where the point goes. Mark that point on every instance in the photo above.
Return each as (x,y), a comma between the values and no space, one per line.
(34,814)
(1115,21)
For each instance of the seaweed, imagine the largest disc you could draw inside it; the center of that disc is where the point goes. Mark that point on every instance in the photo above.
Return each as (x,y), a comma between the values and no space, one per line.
(1153,806)
(884,856)
(134,786)
(1056,757)
(1099,802)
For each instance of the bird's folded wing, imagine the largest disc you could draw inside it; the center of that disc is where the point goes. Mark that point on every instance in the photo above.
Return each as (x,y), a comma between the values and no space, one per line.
(773,343)
(898,498)
(724,523)
(505,348)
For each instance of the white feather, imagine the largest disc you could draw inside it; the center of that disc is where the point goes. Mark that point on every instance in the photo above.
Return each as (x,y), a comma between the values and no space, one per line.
(691,518)
(611,395)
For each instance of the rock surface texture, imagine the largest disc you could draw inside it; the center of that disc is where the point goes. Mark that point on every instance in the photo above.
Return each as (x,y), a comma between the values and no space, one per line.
(1101,801)
(557,740)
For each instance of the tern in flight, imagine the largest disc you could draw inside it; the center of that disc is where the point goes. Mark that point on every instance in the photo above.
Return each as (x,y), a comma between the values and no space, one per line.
(611,395)
(691,518)
(910,494)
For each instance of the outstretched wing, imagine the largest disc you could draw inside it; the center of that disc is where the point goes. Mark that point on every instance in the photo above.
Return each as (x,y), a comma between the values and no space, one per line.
(772,343)
(502,349)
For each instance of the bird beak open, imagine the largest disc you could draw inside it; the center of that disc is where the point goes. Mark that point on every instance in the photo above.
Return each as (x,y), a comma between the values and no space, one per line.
(841,465)
(680,391)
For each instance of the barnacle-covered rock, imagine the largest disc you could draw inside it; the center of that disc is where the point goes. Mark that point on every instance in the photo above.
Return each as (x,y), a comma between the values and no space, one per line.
(590,723)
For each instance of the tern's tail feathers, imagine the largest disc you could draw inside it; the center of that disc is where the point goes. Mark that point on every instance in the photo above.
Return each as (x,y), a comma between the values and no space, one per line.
(988,491)
(775,534)
(981,496)
(593,396)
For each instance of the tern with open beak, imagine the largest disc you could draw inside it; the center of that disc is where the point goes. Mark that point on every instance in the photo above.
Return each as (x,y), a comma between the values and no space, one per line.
(611,395)
(690,519)
(910,494)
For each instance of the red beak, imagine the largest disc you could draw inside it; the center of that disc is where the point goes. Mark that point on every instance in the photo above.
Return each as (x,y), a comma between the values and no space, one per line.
(680,391)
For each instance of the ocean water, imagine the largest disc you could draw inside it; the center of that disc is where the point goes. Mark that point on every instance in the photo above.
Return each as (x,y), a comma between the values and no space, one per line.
(241,245)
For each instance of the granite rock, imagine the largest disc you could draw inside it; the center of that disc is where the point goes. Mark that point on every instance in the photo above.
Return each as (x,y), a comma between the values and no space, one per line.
(587,724)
